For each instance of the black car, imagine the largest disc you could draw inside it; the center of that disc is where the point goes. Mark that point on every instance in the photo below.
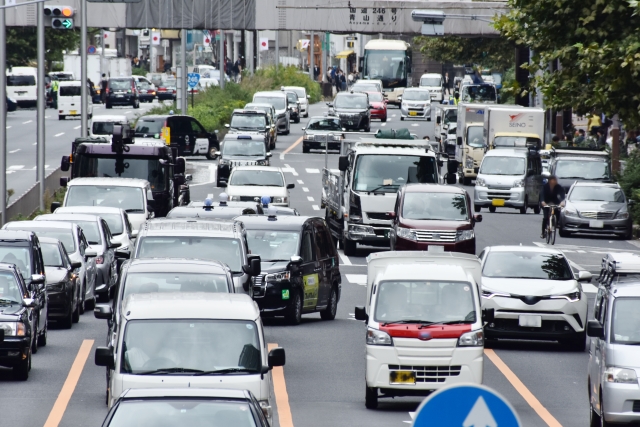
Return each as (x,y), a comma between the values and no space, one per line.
(300,266)
(17,329)
(352,109)
(22,248)
(65,298)
(167,92)
(122,91)
(241,150)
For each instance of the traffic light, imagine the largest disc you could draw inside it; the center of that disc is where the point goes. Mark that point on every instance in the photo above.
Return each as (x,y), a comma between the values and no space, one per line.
(61,16)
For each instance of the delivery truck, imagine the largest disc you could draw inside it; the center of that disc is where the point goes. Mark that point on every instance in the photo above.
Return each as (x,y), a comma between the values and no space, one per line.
(508,126)
(112,67)
(470,147)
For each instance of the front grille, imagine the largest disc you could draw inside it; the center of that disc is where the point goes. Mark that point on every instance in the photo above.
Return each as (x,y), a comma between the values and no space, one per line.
(377,215)
(429,374)
(259,287)
(636,406)
(597,214)
(512,325)
(243,163)
(435,236)
(499,187)
(504,196)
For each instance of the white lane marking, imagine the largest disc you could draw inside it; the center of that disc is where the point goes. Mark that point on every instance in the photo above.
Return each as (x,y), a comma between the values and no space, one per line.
(16,167)
(8,127)
(357,279)
(588,288)
(9,172)
(305,189)
(127,112)
(77,127)
(383,124)
(309,198)
(393,115)
(580,251)
(59,134)
(415,124)
(46,117)
(14,151)
(288,168)
(345,259)
(28,121)
(300,181)
(310,170)
(412,415)
(315,207)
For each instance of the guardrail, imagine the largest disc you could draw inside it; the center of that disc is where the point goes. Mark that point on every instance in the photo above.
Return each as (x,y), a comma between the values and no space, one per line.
(29,201)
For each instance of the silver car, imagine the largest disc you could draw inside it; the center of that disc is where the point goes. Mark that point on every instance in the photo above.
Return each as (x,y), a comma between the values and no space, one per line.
(596,208)
(614,350)
(416,104)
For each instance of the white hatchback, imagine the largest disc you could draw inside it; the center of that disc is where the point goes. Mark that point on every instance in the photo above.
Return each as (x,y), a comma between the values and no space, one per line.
(246,183)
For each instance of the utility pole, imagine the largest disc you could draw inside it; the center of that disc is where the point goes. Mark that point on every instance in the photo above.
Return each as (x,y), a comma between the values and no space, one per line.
(183,78)
(311,61)
(41,103)
(84,105)
(3,117)
(277,49)
(221,60)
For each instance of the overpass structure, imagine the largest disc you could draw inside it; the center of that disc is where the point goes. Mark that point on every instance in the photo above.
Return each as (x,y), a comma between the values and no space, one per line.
(463,18)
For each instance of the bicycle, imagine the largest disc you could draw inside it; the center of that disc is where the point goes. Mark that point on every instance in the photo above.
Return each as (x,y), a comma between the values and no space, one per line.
(550,231)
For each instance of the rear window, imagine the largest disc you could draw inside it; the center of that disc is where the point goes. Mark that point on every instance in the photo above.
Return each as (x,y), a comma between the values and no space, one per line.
(149,126)
(70,90)
(120,84)
(21,80)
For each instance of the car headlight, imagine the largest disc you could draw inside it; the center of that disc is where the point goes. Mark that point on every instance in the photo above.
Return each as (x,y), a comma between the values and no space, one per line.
(571,297)
(518,183)
(464,235)
(487,294)
(56,286)
(622,215)
(571,213)
(376,337)
(13,329)
(406,233)
(234,198)
(480,182)
(336,138)
(279,200)
(278,277)
(620,375)
(224,162)
(468,162)
(471,339)
(309,137)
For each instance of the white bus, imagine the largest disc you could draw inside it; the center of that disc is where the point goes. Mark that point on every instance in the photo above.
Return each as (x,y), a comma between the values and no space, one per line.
(389,61)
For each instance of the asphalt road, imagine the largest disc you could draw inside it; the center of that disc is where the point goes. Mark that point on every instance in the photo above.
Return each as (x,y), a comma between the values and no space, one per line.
(324,373)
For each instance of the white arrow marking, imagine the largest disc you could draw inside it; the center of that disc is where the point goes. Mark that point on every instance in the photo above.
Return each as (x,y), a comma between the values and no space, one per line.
(480,416)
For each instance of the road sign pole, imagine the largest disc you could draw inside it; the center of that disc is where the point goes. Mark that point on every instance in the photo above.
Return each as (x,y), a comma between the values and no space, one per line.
(84,105)
(183,64)
(221,60)
(41,104)
(3,117)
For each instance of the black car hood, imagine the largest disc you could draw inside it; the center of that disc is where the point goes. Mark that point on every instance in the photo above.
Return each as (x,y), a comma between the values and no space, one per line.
(10,313)
(273,266)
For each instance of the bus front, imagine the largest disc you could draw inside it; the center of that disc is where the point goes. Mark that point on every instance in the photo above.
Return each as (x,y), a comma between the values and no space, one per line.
(390,62)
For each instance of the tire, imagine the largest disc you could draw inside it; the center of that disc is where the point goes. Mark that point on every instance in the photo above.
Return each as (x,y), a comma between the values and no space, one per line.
(76,314)
(329,313)
(61,117)
(371,398)
(402,120)
(466,181)
(492,209)
(461,179)
(577,343)
(297,120)
(553,234)
(136,104)
(627,236)
(42,338)
(564,233)
(428,119)
(286,132)
(21,371)
(210,153)
(537,209)
(90,116)
(523,209)
(594,418)
(294,311)
(272,146)
(603,422)
(477,208)
(81,299)
(67,322)
(384,120)
(107,105)
(349,247)
(34,345)
(451,178)
(90,304)
(305,149)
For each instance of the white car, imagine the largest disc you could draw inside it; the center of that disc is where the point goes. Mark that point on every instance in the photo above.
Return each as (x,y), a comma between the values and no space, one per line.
(246,183)
(535,295)
(102,126)
(302,97)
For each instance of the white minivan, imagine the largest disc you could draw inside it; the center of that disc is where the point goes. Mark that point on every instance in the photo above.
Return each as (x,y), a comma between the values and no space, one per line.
(21,85)
(189,339)
(102,126)
(434,83)
(70,100)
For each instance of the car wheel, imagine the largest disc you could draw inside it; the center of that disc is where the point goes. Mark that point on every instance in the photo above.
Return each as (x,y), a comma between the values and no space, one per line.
(305,148)
(477,208)
(537,209)
(294,311)
(603,422)
(451,178)
(523,209)
(349,247)
(107,105)
(577,343)
(81,299)
(67,322)
(34,345)
(628,235)
(594,418)
(383,120)
(368,128)
(42,338)
(466,181)
(136,104)
(492,209)
(329,313)
(371,398)
(429,118)
(563,233)
(297,120)
(21,371)
(401,118)
(286,132)
(211,153)
(76,314)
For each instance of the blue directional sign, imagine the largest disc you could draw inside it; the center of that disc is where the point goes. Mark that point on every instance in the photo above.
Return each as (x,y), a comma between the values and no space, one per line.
(466,405)
(193,79)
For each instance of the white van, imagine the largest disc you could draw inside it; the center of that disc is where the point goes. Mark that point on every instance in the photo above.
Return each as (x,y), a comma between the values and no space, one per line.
(70,100)
(434,83)
(102,126)
(190,339)
(21,85)
(424,323)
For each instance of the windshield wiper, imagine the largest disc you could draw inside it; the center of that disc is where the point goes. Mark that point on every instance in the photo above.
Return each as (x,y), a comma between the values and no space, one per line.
(8,301)
(133,210)
(381,187)
(227,371)
(93,243)
(170,371)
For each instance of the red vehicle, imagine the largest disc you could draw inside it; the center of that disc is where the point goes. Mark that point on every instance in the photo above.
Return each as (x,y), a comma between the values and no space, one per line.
(378,106)
(433,215)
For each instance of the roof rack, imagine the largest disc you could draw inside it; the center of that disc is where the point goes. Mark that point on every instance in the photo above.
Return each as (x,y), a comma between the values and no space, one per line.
(616,264)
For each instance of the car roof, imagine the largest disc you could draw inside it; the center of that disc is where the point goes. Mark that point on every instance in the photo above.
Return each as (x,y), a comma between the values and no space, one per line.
(200,212)
(69,83)
(175,265)
(352,93)
(48,240)
(416,89)
(15,235)
(324,117)
(271,93)
(190,306)
(76,210)
(433,188)
(295,87)
(281,222)
(258,104)
(514,248)
(41,224)
(190,227)
(110,182)
(109,118)
(260,168)
(67,217)
(155,393)
(249,111)
(398,272)
(7,266)
(507,152)
(596,184)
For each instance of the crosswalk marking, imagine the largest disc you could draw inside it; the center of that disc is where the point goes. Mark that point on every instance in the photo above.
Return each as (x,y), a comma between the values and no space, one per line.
(309,198)
(315,207)
(300,182)
(357,279)
(16,167)
(310,170)
(343,258)
(305,189)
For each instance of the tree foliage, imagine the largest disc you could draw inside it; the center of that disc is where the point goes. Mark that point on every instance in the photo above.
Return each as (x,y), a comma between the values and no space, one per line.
(595,42)
(490,53)
(22,45)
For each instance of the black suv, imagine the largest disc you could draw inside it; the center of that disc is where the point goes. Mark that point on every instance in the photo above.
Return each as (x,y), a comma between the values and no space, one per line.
(300,266)
(352,109)
(185,133)
(122,91)
(241,150)
(251,122)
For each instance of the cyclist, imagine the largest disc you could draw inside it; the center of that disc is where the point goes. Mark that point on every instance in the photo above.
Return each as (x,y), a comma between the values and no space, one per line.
(552,194)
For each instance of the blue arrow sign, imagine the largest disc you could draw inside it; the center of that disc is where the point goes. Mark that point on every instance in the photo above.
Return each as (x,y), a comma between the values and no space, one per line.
(466,405)
(193,79)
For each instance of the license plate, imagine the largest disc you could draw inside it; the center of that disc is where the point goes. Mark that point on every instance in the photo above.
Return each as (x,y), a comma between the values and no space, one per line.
(73,112)
(594,223)
(119,96)
(530,321)
(497,202)
(386,234)
(402,377)
(413,113)
(435,248)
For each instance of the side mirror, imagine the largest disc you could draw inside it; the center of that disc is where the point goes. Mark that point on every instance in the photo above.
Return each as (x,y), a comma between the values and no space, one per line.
(488,314)
(361,314)
(584,276)
(28,303)
(180,165)
(113,244)
(295,259)
(102,311)
(65,163)
(222,185)
(253,268)
(134,234)
(90,253)
(37,279)
(546,174)
(304,128)
(459,140)
(269,154)
(276,357)
(188,177)
(343,163)
(330,104)
(226,125)
(75,265)
(391,214)
(595,329)
(123,254)
(104,357)
(290,186)
(477,218)
(150,208)
(54,206)
(438,120)
(308,96)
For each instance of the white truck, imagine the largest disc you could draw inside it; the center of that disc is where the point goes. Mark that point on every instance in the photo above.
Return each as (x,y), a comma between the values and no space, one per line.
(445,116)
(470,146)
(358,196)
(507,126)
(112,67)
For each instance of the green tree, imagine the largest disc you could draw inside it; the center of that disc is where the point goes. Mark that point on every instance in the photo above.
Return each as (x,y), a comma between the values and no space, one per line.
(490,53)
(596,44)
(22,46)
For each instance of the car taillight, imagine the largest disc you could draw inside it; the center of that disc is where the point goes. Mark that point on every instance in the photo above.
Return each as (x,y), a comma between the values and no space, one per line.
(99,260)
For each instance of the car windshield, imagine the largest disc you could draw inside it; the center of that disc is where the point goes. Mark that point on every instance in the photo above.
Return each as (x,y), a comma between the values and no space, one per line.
(478,93)
(9,288)
(497,165)
(582,169)
(150,283)
(278,102)
(416,95)
(102,128)
(21,80)
(324,124)
(115,223)
(515,141)
(149,127)
(220,249)
(120,84)
(243,147)
(425,301)
(257,178)
(386,173)
(351,101)
(475,136)
(451,116)
(526,265)
(596,194)
(375,97)
(144,85)
(70,91)
(191,344)
(176,412)
(273,245)
(300,92)
(248,121)
(130,199)
(431,81)
(292,97)
(626,321)
(51,255)
(359,87)
(18,255)
(435,206)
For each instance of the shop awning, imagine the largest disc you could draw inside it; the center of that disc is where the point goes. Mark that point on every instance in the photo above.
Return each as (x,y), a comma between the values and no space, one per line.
(344,54)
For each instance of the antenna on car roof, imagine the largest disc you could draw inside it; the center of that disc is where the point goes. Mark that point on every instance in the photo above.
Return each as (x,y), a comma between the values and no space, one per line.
(272,211)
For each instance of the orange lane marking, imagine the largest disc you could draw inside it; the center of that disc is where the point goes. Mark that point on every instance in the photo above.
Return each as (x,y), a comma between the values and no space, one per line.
(280,388)
(55,416)
(522,389)
(292,146)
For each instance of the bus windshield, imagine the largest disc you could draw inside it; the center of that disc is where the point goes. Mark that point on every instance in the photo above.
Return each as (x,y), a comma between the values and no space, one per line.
(390,66)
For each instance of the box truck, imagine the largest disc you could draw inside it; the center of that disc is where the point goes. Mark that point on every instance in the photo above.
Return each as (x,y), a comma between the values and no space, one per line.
(507,126)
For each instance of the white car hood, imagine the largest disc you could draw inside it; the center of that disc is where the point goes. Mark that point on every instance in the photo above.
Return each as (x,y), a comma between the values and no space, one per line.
(247,190)
(532,287)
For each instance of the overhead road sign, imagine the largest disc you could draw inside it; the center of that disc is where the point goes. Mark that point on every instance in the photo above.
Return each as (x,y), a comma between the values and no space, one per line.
(466,405)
